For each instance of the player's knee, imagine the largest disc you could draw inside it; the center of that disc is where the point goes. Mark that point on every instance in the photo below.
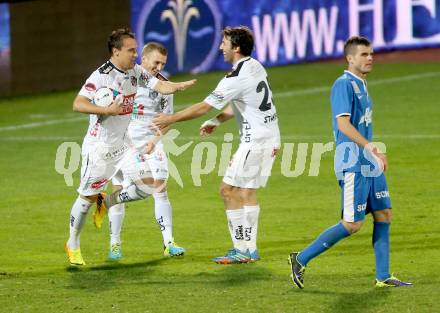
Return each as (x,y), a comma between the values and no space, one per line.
(249,196)
(117,209)
(90,199)
(147,180)
(353,227)
(226,191)
(160,186)
(383,215)
(141,189)
(116,188)
(160,196)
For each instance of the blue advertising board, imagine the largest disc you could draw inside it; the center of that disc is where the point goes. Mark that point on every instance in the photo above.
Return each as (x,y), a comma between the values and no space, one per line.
(285,31)
(5,49)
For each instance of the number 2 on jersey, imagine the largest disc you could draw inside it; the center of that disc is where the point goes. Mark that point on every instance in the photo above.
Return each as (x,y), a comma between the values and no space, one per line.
(265,105)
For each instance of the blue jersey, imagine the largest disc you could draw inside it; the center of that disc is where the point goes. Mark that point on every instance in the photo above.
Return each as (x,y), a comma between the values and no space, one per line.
(350,97)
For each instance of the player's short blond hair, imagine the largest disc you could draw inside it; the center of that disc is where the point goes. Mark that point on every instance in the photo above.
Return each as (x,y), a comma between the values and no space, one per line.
(154,46)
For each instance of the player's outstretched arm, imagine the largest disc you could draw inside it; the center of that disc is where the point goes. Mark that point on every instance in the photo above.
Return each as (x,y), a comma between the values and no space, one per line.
(345,126)
(210,125)
(166,87)
(82,104)
(161,120)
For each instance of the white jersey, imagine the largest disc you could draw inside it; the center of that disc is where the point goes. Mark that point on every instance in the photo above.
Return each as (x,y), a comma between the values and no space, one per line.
(111,130)
(147,104)
(247,90)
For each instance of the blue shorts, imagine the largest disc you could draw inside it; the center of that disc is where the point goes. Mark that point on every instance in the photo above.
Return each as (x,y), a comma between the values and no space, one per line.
(362,195)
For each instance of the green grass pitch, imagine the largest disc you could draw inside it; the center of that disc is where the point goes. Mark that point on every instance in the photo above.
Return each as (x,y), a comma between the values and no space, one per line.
(35,204)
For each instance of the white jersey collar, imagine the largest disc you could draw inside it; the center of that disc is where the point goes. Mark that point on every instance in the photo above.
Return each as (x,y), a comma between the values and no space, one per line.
(234,66)
(116,68)
(364,82)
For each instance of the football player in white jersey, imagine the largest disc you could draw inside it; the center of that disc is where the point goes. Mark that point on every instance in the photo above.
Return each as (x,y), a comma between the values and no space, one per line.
(105,148)
(147,103)
(247,91)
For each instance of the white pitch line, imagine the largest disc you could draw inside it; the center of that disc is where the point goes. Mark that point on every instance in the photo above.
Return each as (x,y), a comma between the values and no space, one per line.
(39,124)
(372,83)
(277,95)
(285,139)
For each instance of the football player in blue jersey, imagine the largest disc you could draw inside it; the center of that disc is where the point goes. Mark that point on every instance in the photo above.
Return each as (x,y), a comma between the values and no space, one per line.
(359,167)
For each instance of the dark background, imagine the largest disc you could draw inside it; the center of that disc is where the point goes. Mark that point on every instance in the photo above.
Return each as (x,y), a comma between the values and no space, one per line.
(56,44)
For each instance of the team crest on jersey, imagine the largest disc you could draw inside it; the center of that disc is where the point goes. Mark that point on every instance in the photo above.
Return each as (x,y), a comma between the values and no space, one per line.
(178,25)
(133,81)
(163,103)
(143,77)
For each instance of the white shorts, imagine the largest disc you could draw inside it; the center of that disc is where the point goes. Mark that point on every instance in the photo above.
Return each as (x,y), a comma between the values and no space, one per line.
(157,163)
(250,166)
(100,164)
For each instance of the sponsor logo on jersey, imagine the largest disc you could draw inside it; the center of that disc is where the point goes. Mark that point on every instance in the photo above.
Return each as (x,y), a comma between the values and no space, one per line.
(178,25)
(99,183)
(246,131)
(367,118)
(270,118)
(127,104)
(138,109)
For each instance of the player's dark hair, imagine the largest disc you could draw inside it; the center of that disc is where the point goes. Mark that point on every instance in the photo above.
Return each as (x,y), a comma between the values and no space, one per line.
(154,46)
(117,37)
(353,42)
(242,37)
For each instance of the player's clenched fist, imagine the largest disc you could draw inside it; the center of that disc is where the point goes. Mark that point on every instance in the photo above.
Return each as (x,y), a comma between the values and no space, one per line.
(208,127)
(115,108)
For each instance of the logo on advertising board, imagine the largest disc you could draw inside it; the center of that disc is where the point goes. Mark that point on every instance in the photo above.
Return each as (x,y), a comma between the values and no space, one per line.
(190,30)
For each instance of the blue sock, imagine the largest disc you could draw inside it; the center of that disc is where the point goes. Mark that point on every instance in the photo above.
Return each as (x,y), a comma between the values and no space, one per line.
(327,239)
(381,244)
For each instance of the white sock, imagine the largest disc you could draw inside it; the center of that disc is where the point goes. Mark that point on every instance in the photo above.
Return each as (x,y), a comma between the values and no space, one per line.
(78,215)
(116,215)
(251,213)
(126,194)
(164,215)
(235,223)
